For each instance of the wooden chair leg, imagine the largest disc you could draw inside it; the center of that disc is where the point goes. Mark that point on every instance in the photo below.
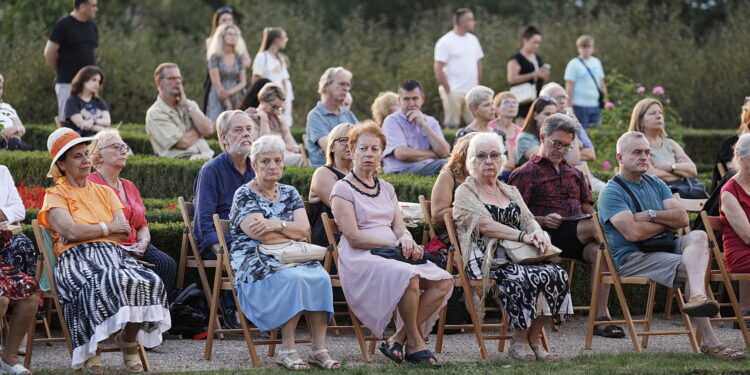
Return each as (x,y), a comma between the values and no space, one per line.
(469,293)
(441,329)
(668,305)
(183,262)
(592,311)
(649,312)
(246,333)
(214,308)
(144,358)
(686,319)
(30,344)
(628,318)
(358,332)
(503,331)
(272,347)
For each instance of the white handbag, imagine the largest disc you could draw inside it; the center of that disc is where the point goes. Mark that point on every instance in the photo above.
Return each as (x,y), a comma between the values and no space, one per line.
(523,253)
(525,92)
(292,253)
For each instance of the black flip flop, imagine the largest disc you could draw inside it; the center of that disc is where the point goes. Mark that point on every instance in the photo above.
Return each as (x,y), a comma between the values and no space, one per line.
(610,331)
(423,357)
(387,348)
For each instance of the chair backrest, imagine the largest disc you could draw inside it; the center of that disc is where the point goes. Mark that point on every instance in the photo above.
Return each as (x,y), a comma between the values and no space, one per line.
(427,213)
(47,253)
(331,229)
(584,168)
(689,205)
(303,151)
(454,252)
(223,227)
(605,251)
(712,223)
(188,215)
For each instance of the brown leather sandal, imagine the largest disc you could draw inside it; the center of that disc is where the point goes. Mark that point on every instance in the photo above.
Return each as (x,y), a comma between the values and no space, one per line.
(723,352)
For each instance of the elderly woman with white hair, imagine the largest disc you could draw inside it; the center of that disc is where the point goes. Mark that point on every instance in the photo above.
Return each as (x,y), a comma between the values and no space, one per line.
(488,211)
(109,157)
(479,101)
(270,293)
(735,219)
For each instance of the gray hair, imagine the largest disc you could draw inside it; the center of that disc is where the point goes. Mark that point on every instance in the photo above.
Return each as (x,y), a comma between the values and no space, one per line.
(559,122)
(477,95)
(625,138)
(742,148)
(327,78)
(545,91)
(482,138)
(267,143)
(101,138)
(222,123)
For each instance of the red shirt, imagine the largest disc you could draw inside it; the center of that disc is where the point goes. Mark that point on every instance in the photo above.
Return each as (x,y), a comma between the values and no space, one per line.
(735,251)
(134,209)
(547,191)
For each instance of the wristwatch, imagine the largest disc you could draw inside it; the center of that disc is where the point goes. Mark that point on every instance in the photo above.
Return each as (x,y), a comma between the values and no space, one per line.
(283,226)
(651,215)
(673,168)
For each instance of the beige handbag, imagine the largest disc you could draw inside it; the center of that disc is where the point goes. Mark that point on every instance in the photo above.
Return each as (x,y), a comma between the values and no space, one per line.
(523,253)
(526,92)
(292,253)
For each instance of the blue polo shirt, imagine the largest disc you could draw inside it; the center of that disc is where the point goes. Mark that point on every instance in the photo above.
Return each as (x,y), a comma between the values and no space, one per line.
(651,193)
(320,122)
(213,192)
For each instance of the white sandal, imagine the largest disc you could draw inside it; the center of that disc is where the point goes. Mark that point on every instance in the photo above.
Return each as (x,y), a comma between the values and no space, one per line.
(285,359)
(132,361)
(325,365)
(18,369)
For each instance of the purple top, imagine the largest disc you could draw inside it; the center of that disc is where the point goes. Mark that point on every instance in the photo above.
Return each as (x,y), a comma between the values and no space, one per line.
(399,131)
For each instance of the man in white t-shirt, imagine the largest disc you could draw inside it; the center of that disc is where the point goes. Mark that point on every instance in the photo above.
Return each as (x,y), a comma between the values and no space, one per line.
(458,67)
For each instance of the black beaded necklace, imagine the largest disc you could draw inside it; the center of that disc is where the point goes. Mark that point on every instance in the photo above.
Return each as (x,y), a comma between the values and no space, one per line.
(376,183)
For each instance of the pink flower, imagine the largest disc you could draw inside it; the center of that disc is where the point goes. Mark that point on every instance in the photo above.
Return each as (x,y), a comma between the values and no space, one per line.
(609,105)
(640,90)
(606,165)
(658,90)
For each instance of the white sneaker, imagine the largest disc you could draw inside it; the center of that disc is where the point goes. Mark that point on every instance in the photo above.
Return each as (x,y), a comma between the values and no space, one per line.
(15,370)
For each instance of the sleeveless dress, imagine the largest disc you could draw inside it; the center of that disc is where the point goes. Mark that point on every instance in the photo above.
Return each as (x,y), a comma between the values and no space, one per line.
(318,233)
(526,290)
(526,68)
(374,285)
(230,77)
(736,252)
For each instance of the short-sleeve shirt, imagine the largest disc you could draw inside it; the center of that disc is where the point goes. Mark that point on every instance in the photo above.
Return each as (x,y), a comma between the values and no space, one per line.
(10,201)
(651,193)
(77,41)
(460,55)
(524,142)
(133,208)
(547,191)
(320,122)
(91,204)
(7,114)
(76,105)
(585,91)
(399,131)
(266,65)
(165,126)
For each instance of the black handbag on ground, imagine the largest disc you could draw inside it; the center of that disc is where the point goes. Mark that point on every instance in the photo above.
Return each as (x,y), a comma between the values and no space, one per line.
(688,188)
(601,94)
(664,241)
(396,253)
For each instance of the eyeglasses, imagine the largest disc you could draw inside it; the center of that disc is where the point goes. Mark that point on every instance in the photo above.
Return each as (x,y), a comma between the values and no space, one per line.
(509,102)
(121,147)
(277,108)
(225,10)
(482,156)
(561,146)
(342,140)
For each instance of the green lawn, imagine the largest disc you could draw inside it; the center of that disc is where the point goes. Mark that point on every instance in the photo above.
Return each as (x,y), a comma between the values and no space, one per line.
(604,364)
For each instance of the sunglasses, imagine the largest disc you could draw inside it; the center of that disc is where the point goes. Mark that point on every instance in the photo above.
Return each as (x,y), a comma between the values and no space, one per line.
(482,156)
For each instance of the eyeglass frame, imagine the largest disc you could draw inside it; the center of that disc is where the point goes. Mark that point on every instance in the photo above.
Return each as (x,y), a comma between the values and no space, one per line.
(120,147)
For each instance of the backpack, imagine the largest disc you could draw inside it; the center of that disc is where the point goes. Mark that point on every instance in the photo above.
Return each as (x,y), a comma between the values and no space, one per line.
(189,312)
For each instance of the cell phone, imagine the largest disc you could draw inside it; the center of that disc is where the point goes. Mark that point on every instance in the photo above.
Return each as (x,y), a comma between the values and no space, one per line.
(546,66)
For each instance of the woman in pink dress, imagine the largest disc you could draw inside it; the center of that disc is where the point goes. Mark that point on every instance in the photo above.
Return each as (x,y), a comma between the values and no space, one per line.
(367,213)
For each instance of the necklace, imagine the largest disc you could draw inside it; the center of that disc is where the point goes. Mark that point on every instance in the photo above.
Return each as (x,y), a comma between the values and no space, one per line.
(273,195)
(375,184)
(117,184)
(492,193)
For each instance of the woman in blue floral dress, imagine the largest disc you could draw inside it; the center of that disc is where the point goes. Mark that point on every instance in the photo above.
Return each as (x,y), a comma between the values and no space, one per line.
(266,212)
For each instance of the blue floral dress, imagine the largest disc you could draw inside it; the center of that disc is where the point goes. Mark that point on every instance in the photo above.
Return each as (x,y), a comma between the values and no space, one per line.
(270,298)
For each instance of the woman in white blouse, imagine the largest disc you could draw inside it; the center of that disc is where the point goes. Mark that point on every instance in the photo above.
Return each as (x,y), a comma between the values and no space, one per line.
(272,64)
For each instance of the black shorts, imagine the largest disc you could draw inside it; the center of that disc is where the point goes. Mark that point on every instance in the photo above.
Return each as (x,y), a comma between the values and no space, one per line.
(566,238)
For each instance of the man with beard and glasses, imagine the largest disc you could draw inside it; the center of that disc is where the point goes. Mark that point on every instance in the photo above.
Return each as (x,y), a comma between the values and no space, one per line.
(214,190)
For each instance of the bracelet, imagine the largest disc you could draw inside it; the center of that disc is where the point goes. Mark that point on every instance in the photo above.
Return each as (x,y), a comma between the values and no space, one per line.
(105,230)
(521,235)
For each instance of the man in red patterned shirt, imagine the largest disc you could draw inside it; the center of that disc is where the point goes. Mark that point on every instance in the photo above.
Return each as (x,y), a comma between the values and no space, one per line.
(560,198)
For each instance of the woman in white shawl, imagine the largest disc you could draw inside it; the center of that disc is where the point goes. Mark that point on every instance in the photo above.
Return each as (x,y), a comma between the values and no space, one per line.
(487,211)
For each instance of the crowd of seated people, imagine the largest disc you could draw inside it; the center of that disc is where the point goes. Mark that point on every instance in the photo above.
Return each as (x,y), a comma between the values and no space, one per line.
(500,181)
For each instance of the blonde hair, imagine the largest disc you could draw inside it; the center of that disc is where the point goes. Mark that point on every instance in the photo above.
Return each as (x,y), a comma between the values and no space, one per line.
(101,137)
(584,41)
(456,164)
(271,91)
(640,109)
(744,116)
(381,106)
(341,130)
(503,95)
(216,43)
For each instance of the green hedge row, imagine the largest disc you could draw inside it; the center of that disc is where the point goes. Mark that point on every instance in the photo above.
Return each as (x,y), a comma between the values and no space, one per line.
(169,178)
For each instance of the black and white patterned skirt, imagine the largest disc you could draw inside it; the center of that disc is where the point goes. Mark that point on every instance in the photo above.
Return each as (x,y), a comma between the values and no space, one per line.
(101,289)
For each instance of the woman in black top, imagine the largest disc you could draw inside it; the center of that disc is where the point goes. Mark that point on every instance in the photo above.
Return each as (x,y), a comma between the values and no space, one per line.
(85,112)
(526,66)
(338,165)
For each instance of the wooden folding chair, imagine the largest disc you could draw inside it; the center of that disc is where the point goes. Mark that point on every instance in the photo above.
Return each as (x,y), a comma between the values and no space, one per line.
(333,256)
(611,277)
(691,206)
(584,168)
(224,280)
(722,275)
(429,228)
(303,151)
(47,281)
(470,288)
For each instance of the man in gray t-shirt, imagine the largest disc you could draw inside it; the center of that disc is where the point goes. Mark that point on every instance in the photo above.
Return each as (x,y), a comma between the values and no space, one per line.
(328,112)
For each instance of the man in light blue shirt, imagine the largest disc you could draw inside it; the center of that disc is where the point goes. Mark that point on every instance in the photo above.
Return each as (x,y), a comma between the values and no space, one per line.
(415,142)
(329,112)
(635,207)
(584,78)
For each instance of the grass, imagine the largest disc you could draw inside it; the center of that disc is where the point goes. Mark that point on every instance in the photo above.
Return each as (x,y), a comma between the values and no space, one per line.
(604,364)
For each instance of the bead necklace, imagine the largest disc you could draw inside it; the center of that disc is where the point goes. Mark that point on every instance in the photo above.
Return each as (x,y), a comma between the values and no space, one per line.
(375,184)
(272,196)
